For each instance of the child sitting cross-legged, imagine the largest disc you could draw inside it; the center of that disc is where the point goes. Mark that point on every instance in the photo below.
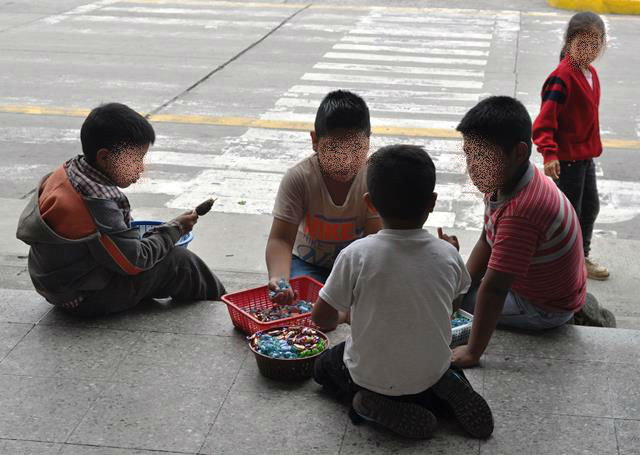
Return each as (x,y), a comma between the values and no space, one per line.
(398,286)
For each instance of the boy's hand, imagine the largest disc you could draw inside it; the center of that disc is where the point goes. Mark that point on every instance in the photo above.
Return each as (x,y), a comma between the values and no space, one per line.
(451,239)
(186,221)
(282,297)
(552,169)
(463,357)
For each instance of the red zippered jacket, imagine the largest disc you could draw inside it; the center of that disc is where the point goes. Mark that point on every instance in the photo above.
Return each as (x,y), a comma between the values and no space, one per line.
(568,127)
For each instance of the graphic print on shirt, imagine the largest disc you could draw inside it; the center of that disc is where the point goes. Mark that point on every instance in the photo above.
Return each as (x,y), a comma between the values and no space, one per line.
(325,237)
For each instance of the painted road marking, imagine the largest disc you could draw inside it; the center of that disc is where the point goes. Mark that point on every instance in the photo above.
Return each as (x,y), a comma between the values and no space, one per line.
(405,58)
(391,122)
(411,50)
(415,43)
(444,84)
(396,93)
(340,66)
(401,108)
(248,122)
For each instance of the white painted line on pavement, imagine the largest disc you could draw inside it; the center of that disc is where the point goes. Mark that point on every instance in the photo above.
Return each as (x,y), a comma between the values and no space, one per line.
(339,66)
(412,82)
(206,23)
(463,21)
(414,42)
(415,32)
(82,9)
(372,93)
(394,122)
(404,58)
(405,108)
(410,50)
(199,11)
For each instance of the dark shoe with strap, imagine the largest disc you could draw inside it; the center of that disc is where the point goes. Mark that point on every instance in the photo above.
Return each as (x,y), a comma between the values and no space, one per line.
(594,315)
(406,419)
(468,407)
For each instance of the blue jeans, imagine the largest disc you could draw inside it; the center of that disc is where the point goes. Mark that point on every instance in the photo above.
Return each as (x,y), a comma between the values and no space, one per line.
(517,313)
(300,267)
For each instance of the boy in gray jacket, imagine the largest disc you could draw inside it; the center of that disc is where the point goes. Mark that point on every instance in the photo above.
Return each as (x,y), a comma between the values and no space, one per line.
(84,256)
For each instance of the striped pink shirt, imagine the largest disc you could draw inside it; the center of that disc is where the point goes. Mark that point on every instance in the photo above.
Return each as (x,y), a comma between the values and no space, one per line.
(535,235)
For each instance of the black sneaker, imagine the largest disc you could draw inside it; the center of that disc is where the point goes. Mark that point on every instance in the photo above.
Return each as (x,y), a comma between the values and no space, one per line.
(468,407)
(405,419)
(593,314)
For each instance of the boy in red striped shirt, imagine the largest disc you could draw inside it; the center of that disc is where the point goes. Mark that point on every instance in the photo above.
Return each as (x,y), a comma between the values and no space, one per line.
(528,265)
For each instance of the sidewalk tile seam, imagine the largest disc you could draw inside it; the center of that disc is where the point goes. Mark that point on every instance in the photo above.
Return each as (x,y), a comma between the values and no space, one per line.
(19,341)
(224,400)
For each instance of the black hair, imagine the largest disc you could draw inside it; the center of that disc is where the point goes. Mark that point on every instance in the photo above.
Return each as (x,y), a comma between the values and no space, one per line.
(114,126)
(342,109)
(400,181)
(502,120)
(580,23)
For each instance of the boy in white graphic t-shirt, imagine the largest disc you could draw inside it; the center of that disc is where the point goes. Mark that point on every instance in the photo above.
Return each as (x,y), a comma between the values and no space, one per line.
(398,287)
(319,207)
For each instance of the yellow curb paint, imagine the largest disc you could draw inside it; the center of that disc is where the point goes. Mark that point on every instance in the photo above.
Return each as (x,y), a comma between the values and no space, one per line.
(247,122)
(599,6)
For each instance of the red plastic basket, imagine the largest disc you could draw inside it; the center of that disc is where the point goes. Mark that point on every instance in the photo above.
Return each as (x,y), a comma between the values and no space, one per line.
(238,304)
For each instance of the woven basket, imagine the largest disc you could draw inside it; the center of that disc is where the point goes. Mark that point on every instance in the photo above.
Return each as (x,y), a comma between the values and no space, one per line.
(460,335)
(287,369)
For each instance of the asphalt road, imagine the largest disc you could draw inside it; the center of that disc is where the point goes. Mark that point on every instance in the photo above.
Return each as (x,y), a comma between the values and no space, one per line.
(233,87)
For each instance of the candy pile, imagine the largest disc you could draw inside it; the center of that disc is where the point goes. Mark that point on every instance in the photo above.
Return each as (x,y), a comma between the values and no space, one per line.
(288,343)
(459,320)
(280,311)
(282,285)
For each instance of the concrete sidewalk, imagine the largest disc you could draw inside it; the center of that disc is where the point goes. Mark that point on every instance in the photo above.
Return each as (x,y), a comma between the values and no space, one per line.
(179,379)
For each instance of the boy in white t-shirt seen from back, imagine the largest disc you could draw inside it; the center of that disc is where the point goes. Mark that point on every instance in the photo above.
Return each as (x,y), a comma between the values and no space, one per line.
(319,207)
(398,287)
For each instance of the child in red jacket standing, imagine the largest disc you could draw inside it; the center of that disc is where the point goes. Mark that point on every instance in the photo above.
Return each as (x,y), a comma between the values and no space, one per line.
(567,130)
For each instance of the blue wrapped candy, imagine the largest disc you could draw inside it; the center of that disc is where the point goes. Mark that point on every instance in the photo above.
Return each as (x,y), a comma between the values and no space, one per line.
(283,285)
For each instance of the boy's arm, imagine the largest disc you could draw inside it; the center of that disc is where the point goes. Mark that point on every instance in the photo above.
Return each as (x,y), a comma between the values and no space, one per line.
(333,306)
(479,258)
(324,315)
(278,256)
(490,300)
(125,253)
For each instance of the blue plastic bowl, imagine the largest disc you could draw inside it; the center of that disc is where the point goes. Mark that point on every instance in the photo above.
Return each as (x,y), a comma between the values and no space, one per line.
(144,225)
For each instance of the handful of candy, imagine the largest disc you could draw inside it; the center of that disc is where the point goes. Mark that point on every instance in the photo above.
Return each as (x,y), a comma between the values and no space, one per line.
(288,343)
(283,285)
(459,320)
(281,311)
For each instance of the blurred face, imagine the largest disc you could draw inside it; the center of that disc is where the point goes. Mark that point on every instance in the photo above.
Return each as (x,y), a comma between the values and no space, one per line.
(341,154)
(586,47)
(125,166)
(486,163)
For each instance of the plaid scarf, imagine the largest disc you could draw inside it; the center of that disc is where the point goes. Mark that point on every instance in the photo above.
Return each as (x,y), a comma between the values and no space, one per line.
(90,182)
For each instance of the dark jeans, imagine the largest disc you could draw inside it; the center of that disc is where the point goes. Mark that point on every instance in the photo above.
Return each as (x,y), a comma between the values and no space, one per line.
(331,372)
(181,275)
(578,182)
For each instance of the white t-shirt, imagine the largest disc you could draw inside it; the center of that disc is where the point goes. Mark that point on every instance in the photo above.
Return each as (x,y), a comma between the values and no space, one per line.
(400,286)
(588,76)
